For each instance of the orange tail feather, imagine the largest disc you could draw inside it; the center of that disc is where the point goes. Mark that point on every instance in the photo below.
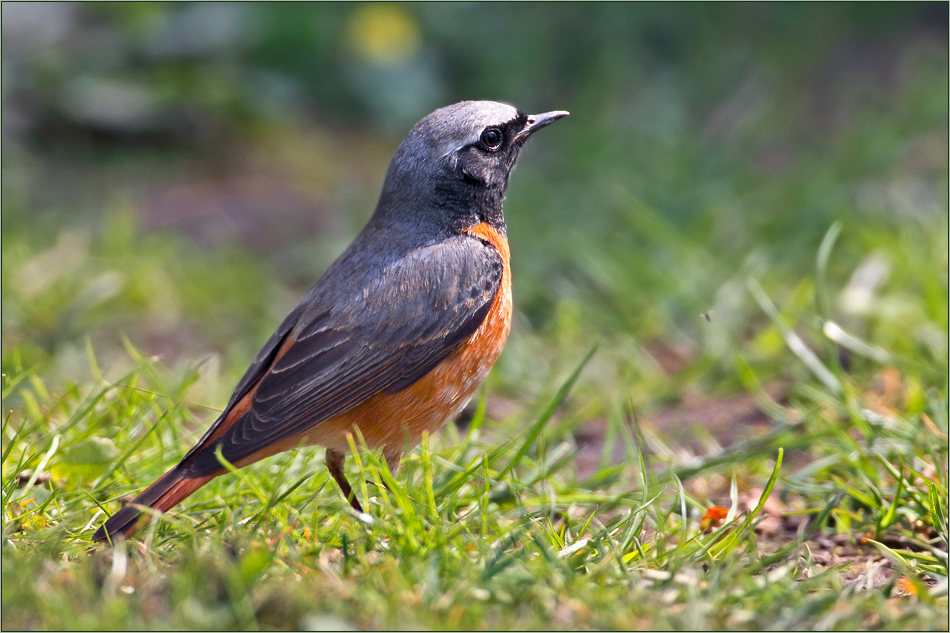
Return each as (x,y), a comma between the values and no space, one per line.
(162,495)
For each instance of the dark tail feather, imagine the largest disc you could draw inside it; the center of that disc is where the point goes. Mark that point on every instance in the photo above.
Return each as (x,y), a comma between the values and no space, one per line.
(163,495)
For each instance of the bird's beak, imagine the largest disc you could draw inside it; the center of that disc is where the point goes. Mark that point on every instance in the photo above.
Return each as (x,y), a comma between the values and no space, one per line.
(538,121)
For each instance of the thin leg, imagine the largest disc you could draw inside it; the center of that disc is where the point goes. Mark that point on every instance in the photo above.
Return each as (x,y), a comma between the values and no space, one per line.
(392,460)
(335,462)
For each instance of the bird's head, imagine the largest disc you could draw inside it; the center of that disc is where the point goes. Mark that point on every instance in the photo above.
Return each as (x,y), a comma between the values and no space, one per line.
(454,164)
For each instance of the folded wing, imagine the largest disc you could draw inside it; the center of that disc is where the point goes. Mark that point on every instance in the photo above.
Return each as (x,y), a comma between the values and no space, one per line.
(346,344)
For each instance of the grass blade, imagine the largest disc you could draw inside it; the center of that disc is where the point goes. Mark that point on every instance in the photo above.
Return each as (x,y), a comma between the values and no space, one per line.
(532,435)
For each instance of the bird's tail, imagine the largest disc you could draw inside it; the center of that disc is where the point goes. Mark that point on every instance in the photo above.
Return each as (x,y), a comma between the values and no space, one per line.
(162,495)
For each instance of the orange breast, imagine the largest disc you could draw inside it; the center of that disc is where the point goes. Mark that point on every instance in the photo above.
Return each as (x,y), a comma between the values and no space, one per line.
(391,421)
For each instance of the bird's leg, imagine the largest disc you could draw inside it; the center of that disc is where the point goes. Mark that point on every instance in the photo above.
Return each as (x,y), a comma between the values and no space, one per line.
(392,460)
(335,462)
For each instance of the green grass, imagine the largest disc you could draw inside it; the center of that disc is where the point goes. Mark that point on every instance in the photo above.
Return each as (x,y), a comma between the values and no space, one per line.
(472,534)
(757,217)
(491,528)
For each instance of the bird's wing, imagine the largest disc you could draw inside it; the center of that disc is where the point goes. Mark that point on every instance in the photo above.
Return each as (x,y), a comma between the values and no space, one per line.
(384,335)
(265,357)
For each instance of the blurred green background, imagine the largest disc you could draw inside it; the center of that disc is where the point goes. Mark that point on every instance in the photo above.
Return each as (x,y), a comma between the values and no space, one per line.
(179,174)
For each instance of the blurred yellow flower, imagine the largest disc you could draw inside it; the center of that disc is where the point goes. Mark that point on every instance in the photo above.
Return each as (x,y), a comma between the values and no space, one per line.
(383,33)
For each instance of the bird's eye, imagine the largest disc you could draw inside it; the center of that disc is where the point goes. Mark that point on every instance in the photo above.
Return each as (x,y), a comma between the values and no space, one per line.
(491,138)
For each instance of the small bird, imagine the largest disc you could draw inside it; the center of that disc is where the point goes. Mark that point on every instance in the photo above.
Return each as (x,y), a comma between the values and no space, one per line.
(399,331)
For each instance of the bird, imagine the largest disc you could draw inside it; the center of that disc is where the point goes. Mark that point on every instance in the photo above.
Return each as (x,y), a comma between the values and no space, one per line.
(397,334)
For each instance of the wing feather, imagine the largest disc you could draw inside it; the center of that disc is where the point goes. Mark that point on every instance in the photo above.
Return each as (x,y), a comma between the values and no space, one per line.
(416,312)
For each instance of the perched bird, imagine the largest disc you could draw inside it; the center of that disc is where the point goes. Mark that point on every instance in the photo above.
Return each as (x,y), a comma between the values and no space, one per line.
(400,330)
